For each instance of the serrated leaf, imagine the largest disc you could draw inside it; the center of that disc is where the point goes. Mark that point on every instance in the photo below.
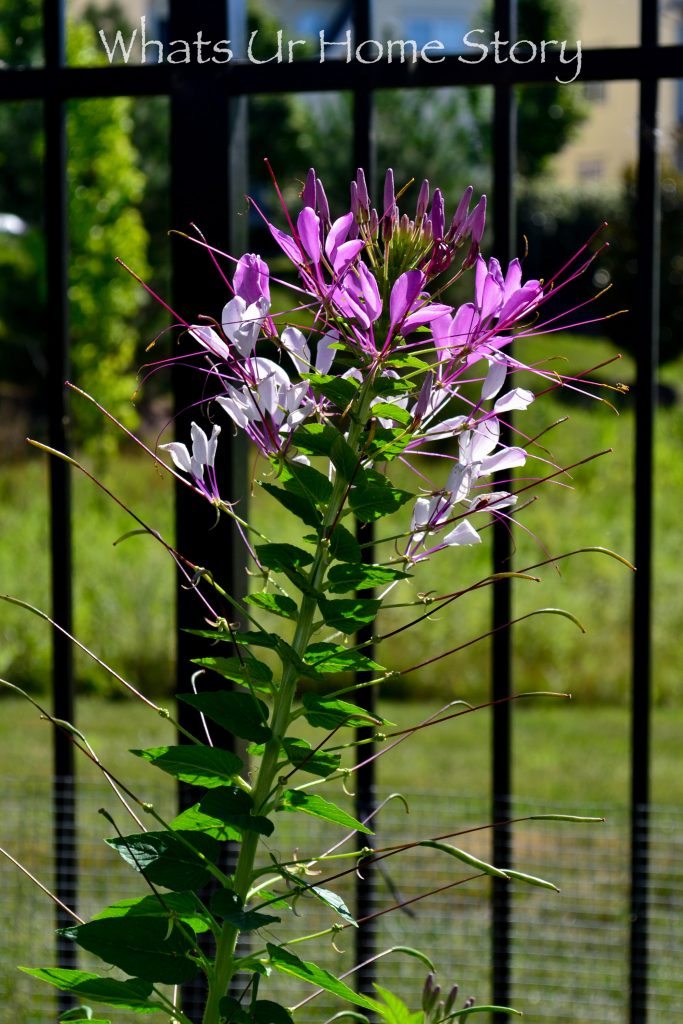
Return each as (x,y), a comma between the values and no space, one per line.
(276,604)
(286,963)
(330,713)
(233,806)
(326,657)
(303,757)
(145,947)
(245,671)
(131,994)
(240,713)
(196,765)
(318,807)
(466,858)
(180,905)
(373,501)
(226,904)
(348,615)
(343,578)
(166,858)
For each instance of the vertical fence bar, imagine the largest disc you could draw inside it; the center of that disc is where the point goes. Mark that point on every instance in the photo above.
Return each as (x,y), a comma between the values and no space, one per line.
(504,164)
(648,232)
(366,800)
(208,177)
(63,699)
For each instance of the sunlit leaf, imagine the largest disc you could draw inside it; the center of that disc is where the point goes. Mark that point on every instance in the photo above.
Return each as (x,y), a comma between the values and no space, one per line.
(318,807)
(177,860)
(145,947)
(285,962)
(196,765)
(131,994)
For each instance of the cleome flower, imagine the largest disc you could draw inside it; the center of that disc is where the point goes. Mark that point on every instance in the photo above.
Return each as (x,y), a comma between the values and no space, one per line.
(200,463)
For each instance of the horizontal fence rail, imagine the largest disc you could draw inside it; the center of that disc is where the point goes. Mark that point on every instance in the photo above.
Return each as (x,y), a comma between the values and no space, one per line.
(208,103)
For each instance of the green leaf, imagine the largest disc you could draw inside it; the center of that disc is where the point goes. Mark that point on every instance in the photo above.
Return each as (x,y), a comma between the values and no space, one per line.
(349,614)
(265,1011)
(179,905)
(388,443)
(308,482)
(330,713)
(233,806)
(343,578)
(286,963)
(277,604)
(396,1011)
(240,713)
(334,658)
(146,947)
(245,671)
(193,820)
(196,765)
(78,1013)
(326,896)
(388,411)
(413,362)
(226,904)
(231,1010)
(343,545)
(301,754)
(340,390)
(315,438)
(131,994)
(297,504)
(318,807)
(466,858)
(393,385)
(372,501)
(345,460)
(166,858)
(283,557)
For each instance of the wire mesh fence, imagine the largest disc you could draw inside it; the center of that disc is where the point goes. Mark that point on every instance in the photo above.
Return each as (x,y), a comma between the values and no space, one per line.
(569,952)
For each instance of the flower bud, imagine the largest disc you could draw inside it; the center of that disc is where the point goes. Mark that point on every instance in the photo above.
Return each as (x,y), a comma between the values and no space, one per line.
(308,194)
(363,197)
(450,1000)
(422,201)
(323,205)
(437,216)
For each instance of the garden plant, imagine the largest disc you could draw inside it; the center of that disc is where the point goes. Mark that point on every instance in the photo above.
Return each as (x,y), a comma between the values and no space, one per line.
(372,400)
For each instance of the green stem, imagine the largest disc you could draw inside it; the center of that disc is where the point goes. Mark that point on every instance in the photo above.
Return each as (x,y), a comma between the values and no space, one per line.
(225,951)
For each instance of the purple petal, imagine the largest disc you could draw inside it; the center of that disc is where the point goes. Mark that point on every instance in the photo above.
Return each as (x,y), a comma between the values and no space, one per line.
(308,226)
(405,291)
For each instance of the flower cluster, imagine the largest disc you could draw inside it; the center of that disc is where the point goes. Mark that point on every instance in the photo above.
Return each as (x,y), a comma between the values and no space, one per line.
(371,317)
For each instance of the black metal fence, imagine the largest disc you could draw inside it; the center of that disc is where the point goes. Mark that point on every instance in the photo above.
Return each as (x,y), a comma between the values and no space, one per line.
(208,119)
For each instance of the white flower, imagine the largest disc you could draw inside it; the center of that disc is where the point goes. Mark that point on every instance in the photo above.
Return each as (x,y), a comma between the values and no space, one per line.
(200,461)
